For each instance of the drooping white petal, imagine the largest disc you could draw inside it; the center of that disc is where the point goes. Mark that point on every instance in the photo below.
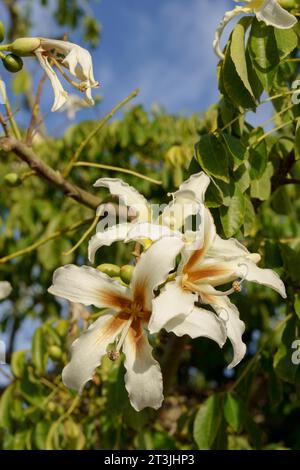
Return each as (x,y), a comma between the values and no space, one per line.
(172,301)
(5,289)
(145,230)
(88,286)
(273,14)
(227,249)
(153,268)
(128,195)
(267,277)
(143,378)
(60,95)
(225,20)
(89,348)
(199,323)
(106,238)
(234,327)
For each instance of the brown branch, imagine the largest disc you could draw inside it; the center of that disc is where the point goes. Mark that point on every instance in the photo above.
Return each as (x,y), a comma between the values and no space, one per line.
(4,125)
(25,153)
(35,111)
(290,181)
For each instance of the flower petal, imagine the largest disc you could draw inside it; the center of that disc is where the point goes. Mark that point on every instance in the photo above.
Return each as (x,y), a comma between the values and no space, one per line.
(172,301)
(186,201)
(191,260)
(199,322)
(143,379)
(60,95)
(234,327)
(274,15)
(267,277)
(106,238)
(5,289)
(128,195)
(89,287)
(154,232)
(153,268)
(89,348)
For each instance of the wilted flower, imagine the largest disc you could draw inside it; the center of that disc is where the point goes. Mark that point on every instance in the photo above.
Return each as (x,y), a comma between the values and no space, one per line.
(186,201)
(64,55)
(268,11)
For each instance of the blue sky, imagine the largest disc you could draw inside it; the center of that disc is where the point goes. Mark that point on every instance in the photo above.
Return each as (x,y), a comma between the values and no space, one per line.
(163,47)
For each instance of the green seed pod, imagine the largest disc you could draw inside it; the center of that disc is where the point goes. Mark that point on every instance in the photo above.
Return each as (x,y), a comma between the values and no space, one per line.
(12,63)
(109,269)
(12,179)
(126,273)
(55,352)
(2,31)
(25,46)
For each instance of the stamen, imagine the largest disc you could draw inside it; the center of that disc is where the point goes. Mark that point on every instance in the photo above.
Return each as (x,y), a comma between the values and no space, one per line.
(80,86)
(114,354)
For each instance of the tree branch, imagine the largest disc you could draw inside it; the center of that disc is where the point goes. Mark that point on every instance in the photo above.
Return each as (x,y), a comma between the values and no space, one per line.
(10,144)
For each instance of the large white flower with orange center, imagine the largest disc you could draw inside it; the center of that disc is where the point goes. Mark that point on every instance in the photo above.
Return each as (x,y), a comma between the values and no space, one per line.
(124,324)
(187,201)
(268,11)
(207,263)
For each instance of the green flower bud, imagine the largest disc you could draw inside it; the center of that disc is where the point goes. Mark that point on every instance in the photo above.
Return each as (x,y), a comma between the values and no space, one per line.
(2,31)
(55,352)
(12,179)
(119,280)
(51,406)
(126,273)
(25,46)
(12,63)
(109,269)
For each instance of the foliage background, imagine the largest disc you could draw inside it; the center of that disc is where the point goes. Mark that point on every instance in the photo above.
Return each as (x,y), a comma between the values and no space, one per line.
(254,195)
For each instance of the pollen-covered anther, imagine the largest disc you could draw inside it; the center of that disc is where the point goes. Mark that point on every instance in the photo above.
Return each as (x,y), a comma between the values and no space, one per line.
(237,286)
(113,355)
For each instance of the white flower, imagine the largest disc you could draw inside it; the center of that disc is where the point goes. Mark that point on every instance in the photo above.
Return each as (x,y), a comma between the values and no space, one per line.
(268,11)
(215,262)
(73,104)
(64,55)
(186,201)
(130,312)
(5,289)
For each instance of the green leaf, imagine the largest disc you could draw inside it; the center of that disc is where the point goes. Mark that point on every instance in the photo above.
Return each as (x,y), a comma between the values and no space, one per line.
(236,148)
(291,261)
(233,412)
(234,89)
(297,305)
(207,422)
(264,53)
(18,363)
(212,157)
(213,195)
(232,216)
(283,365)
(40,433)
(261,188)
(281,201)
(237,51)
(6,402)
(39,351)
(286,40)
(250,217)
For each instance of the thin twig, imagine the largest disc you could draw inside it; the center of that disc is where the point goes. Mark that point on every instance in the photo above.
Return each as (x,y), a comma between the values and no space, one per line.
(35,111)
(95,131)
(84,236)
(119,169)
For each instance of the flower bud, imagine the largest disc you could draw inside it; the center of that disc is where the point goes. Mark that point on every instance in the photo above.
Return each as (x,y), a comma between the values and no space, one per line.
(12,179)
(2,31)
(110,269)
(12,63)
(126,273)
(25,46)
(55,352)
